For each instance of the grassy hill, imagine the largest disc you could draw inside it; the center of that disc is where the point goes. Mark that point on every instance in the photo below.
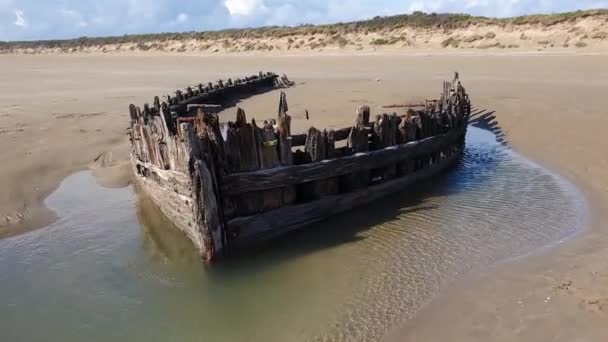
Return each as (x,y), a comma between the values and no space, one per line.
(578,29)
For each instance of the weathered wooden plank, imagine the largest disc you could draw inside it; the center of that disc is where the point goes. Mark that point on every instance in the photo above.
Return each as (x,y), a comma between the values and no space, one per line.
(156,104)
(176,206)
(281,176)
(169,131)
(284,132)
(208,130)
(232,148)
(241,151)
(331,144)
(266,151)
(259,201)
(358,141)
(316,149)
(206,211)
(385,135)
(177,209)
(407,129)
(288,193)
(407,133)
(204,148)
(132,113)
(363,113)
(384,132)
(266,143)
(244,230)
(315,146)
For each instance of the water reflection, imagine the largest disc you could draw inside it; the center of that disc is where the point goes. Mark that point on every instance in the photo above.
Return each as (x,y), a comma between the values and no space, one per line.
(161,240)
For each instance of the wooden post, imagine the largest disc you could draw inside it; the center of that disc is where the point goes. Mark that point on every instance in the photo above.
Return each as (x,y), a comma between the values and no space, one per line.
(407,133)
(316,150)
(331,143)
(132,113)
(156,104)
(363,113)
(284,132)
(284,139)
(261,144)
(358,141)
(315,146)
(418,131)
(267,145)
(385,135)
(241,151)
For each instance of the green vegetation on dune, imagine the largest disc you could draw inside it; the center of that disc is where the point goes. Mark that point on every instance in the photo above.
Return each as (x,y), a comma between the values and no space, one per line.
(414,20)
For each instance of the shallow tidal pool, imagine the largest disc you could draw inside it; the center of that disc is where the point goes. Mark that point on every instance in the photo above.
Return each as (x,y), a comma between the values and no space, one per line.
(111,268)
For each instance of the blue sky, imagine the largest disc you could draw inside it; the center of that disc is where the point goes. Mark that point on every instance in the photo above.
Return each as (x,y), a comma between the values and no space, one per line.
(50,19)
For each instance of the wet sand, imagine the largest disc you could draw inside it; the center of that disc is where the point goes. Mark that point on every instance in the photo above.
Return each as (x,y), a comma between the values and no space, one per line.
(58,113)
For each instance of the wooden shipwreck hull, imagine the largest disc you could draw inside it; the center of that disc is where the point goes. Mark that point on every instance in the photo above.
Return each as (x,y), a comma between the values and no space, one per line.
(227,185)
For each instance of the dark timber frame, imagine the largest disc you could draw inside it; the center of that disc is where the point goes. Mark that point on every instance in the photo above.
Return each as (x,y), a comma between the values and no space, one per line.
(234,184)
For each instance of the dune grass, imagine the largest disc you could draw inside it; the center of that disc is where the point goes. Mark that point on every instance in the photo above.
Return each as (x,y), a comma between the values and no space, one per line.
(337,31)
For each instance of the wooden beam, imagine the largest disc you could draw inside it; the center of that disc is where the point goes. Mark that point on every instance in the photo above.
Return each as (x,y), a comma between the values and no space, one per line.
(245,230)
(238,183)
(203,106)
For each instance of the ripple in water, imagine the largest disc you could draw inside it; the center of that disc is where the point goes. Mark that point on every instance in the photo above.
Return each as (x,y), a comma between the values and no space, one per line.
(103,273)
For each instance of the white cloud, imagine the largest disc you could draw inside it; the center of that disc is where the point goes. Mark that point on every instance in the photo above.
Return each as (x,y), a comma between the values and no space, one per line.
(182,18)
(49,19)
(73,17)
(503,8)
(20,19)
(243,7)
(144,8)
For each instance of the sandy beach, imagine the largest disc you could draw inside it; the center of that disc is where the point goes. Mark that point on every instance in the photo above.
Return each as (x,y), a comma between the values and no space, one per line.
(62,113)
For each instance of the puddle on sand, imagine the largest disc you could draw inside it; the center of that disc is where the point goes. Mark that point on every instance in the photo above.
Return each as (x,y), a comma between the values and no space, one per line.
(112,268)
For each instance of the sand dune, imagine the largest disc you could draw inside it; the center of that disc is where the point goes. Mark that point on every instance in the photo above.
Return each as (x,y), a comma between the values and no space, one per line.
(583,30)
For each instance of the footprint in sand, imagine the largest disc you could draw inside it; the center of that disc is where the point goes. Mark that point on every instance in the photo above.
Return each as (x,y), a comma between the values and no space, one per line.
(10,132)
(586,302)
(600,305)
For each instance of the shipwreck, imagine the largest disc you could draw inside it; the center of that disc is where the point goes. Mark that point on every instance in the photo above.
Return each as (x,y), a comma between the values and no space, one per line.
(229,184)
